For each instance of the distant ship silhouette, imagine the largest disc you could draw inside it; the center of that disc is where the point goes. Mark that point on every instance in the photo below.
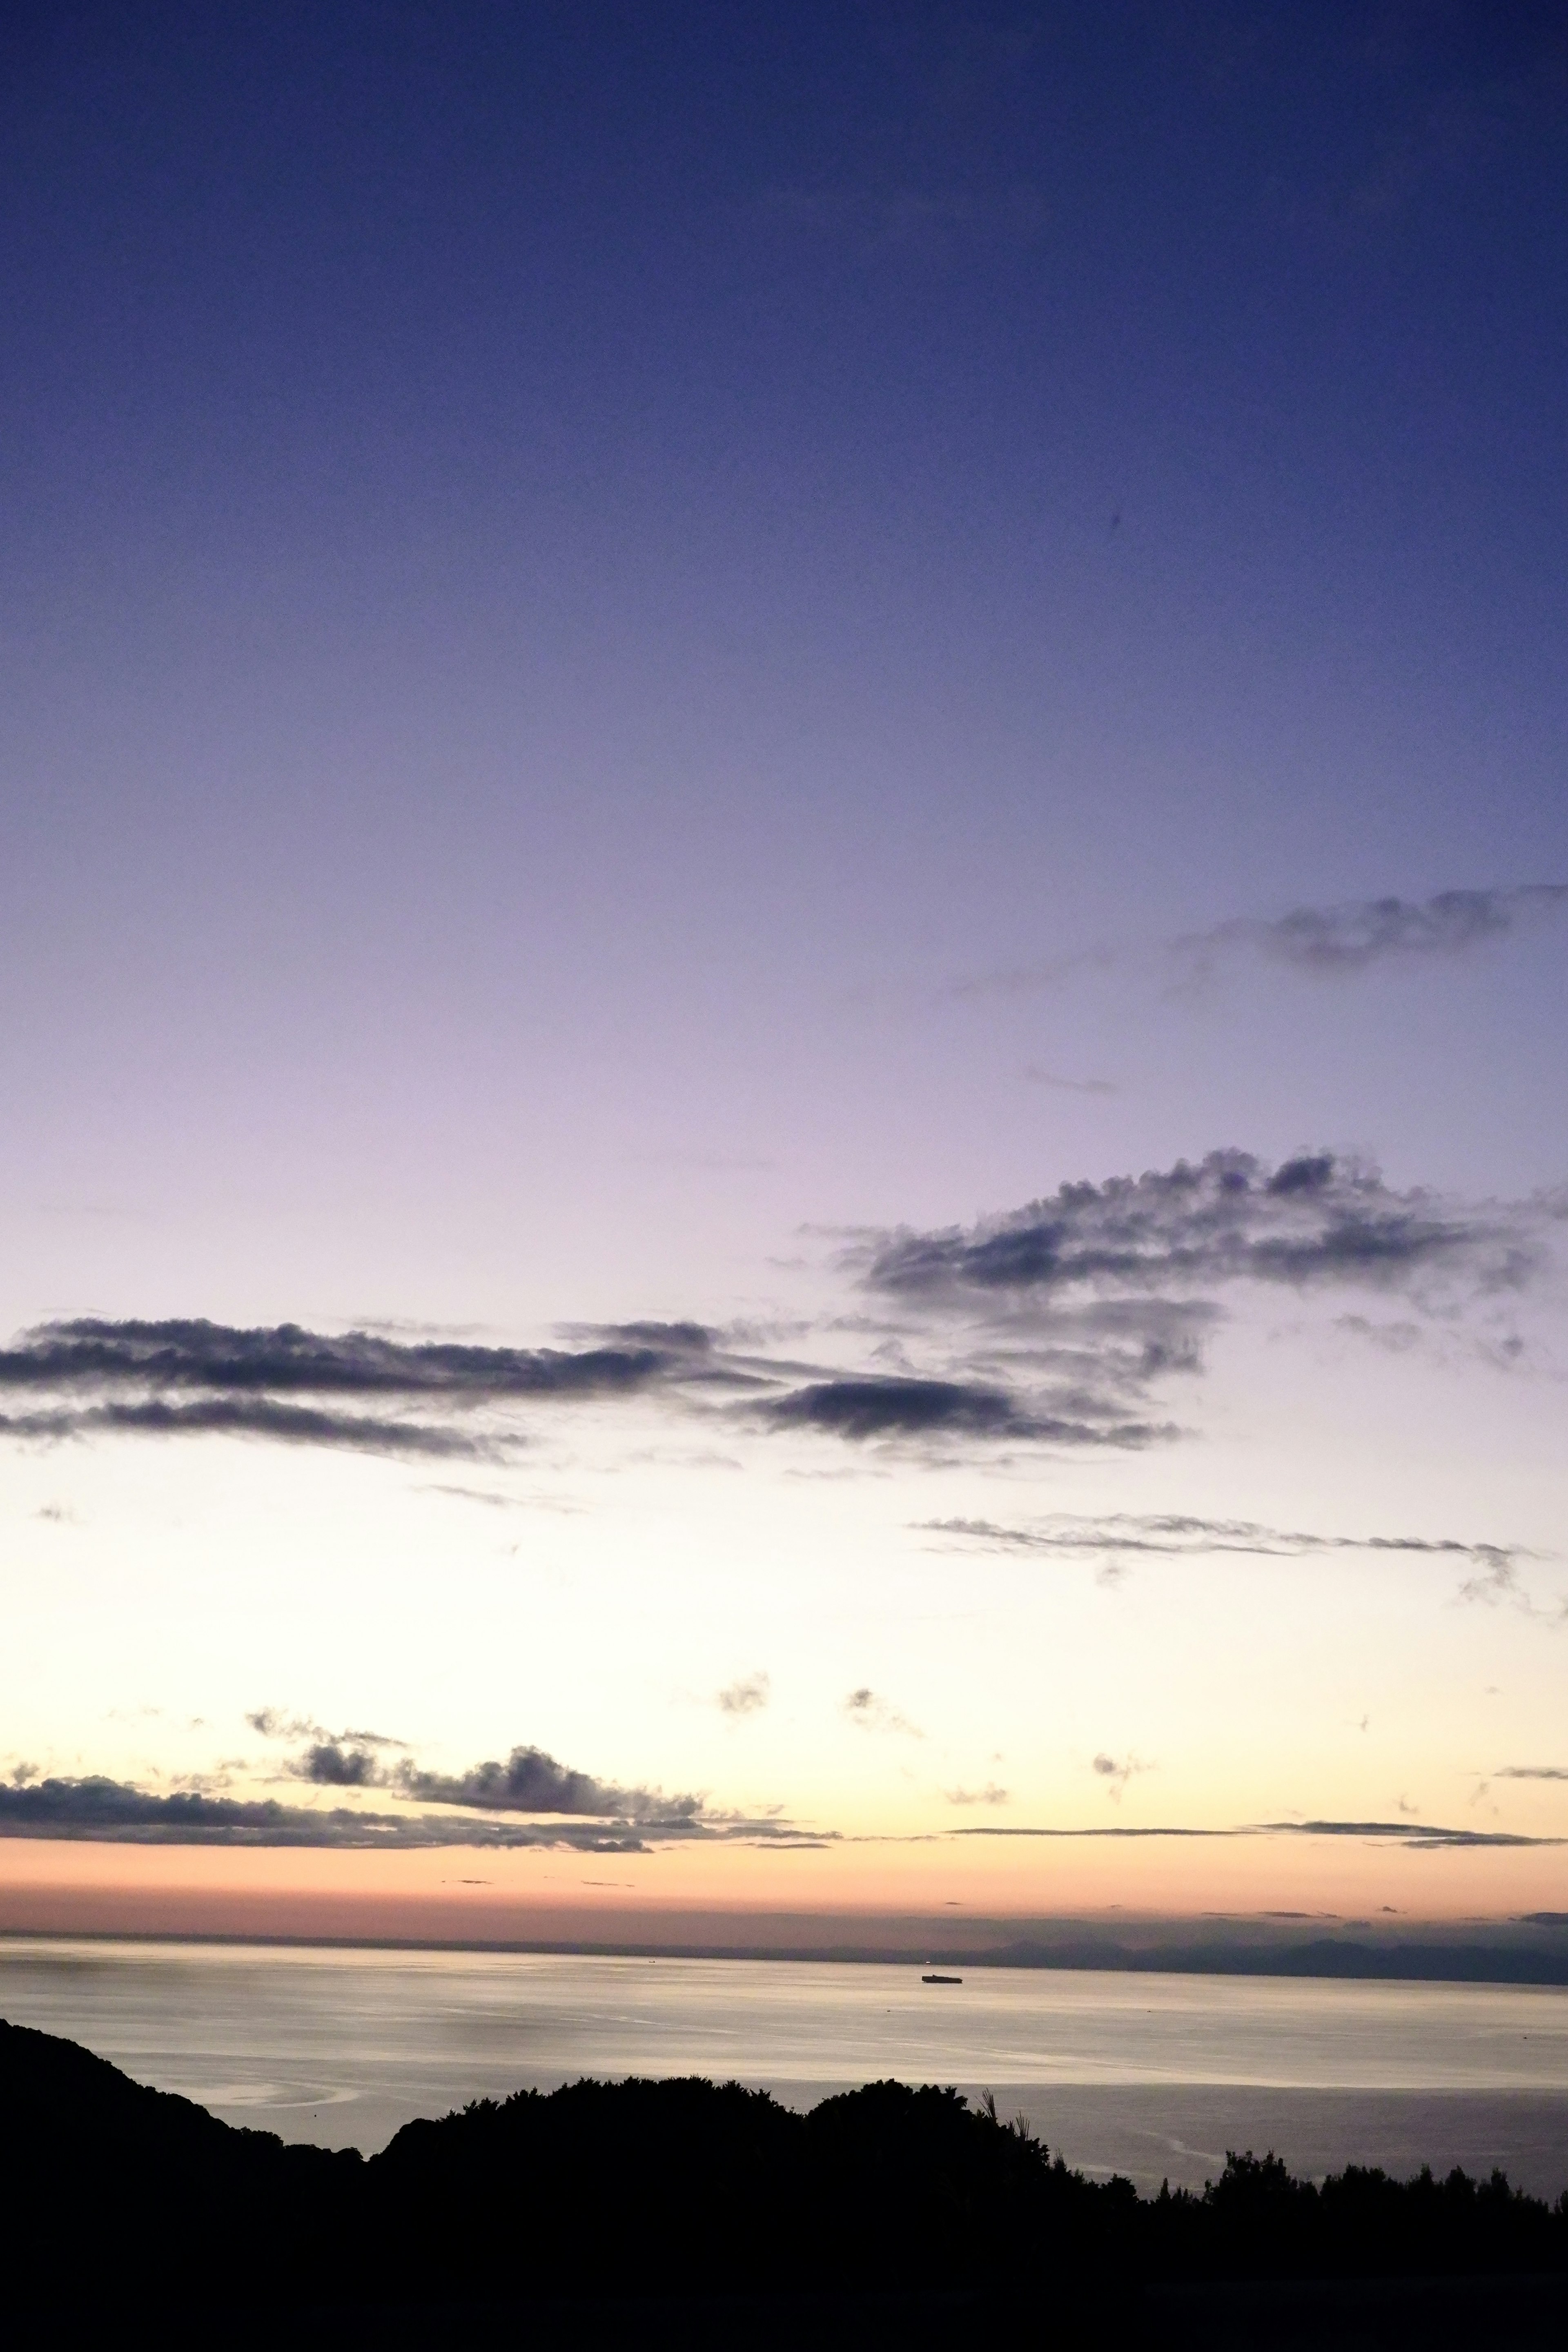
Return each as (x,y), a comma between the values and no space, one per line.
(936,1979)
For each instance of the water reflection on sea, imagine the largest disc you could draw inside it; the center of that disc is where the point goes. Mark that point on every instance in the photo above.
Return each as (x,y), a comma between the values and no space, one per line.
(1151,2075)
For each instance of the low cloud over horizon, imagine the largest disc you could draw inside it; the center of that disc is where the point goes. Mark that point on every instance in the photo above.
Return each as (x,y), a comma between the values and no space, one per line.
(555,1806)
(95,1808)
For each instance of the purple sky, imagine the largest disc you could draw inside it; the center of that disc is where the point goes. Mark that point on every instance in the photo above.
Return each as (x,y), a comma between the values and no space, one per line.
(638,648)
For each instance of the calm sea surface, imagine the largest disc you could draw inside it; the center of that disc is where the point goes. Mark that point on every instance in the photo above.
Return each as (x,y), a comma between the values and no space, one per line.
(1151,2075)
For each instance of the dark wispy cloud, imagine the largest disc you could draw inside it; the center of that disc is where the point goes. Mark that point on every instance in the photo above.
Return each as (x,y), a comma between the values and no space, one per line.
(991,1794)
(1055,1324)
(1331,942)
(273,1723)
(190,1378)
(277,1723)
(902,1405)
(1123,1535)
(194,1354)
(897,1405)
(1419,1836)
(288,1424)
(1531,1772)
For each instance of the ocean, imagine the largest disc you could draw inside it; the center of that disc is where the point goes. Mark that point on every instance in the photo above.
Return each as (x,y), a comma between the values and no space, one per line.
(1151,2075)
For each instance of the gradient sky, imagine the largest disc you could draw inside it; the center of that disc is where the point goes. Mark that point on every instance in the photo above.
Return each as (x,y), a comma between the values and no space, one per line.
(806,766)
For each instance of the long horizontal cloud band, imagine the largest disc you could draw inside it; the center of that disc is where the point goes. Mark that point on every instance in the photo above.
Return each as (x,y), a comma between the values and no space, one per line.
(1053,1326)
(114,1811)
(1162,1536)
(198,1354)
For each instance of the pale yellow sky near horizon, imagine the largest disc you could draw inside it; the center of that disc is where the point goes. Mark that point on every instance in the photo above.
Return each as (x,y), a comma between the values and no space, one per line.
(742,1893)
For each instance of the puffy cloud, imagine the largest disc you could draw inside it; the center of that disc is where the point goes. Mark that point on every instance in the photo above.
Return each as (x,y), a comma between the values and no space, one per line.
(1226,1219)
(1116,1772)
(117,1811)
(866,1708)
(530,1782)
(748,1696)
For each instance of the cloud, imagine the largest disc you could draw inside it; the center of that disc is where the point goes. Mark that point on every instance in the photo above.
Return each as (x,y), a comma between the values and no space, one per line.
(871,1713)
(1422,1837)
(1118,1536)
(748,1695)
(1419,1837)
(1496,1579)
(895,1405)
(115,1812)
(332,1765)
(883,1406)
(1057,1325)
(530,1781)
(1039,1077)
(94,1807)
(1316,1219)
(1060,1323)
(196,1354)
(271,1723)
(251,1417)
(1334,942)
(1531,1772)
(194,1378)
(1116,1772)
(274,1723)
(990,1795)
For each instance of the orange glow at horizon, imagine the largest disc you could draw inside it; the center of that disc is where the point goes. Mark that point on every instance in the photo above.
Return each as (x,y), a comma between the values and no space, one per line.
(743,1895)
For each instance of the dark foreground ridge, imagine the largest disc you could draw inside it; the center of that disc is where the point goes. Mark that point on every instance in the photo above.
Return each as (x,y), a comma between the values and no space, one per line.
(684,2211)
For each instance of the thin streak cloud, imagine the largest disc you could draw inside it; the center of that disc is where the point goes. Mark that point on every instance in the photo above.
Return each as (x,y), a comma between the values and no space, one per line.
(1341,942)
(1177,1536)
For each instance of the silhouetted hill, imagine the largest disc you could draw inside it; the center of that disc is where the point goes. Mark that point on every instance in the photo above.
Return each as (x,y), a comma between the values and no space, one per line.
(630,2211)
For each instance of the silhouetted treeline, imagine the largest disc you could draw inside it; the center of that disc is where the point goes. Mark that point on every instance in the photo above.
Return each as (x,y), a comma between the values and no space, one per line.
(639,2189)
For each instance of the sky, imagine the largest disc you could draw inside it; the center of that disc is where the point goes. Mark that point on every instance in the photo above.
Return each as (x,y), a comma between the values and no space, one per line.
(783,960)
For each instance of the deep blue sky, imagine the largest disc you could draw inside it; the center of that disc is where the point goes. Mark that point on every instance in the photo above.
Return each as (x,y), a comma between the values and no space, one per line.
(548,545)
